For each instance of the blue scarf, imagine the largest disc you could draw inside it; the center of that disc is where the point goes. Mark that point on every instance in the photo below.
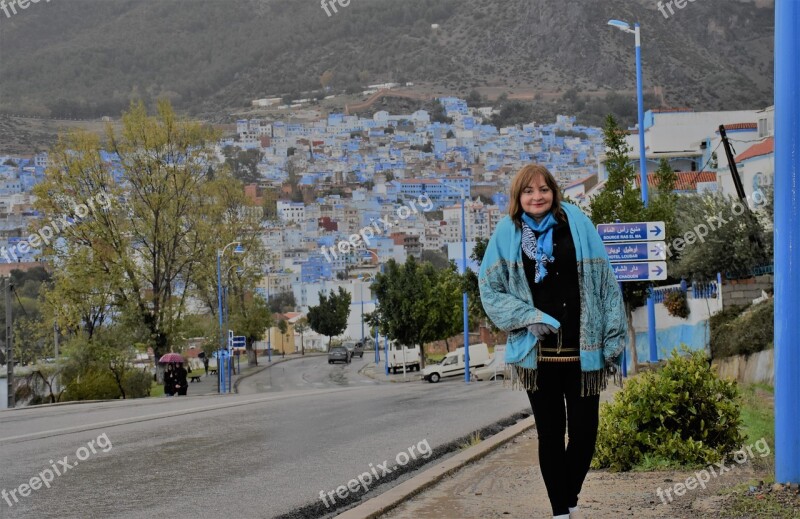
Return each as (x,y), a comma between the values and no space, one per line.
(538,248)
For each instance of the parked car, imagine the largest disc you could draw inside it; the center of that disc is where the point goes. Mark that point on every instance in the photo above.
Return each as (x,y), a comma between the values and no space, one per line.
(494,370)
(338,354)
(356,349)
(453,363)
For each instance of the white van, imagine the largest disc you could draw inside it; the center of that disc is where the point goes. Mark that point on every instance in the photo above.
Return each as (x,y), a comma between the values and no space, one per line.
(403,358)
(452,364)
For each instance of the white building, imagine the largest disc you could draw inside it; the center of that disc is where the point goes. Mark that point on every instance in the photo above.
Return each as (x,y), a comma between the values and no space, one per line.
(291,211)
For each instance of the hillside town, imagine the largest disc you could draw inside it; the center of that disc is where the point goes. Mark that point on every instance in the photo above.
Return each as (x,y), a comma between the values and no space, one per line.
(324,181)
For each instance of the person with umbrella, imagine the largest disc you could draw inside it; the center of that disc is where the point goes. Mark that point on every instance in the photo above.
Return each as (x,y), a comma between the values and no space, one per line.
(172,375)
(169,380)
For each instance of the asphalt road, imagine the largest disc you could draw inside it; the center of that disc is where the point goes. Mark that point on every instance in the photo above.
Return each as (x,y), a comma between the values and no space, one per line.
(237,456)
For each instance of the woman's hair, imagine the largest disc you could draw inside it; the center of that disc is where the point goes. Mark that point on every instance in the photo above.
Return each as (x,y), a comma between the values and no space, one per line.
(522,180)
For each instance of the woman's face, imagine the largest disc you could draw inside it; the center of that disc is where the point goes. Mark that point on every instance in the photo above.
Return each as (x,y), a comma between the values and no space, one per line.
(536,198)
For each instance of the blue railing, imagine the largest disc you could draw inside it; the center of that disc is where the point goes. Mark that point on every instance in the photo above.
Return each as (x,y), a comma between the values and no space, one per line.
(696,291)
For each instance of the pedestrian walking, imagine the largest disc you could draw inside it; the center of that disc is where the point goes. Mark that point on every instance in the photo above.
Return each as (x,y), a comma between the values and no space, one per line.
(205,364)
(546,279)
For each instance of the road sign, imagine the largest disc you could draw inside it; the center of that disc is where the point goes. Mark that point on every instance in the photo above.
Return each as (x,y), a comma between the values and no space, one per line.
(240,341)
(637,251)
(639,231)
(641,271)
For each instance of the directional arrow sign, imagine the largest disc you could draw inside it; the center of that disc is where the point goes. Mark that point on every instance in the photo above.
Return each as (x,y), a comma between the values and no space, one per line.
(637,251)
(640,231)
(643,271)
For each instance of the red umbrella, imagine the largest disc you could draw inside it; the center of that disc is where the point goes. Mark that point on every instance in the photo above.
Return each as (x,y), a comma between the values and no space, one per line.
(170,358)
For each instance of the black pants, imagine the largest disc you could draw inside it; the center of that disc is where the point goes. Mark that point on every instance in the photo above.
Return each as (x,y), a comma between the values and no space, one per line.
(564,469)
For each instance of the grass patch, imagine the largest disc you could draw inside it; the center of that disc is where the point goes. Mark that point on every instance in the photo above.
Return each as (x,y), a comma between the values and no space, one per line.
(472,441)
(156,390)
(763,505)
(758,413)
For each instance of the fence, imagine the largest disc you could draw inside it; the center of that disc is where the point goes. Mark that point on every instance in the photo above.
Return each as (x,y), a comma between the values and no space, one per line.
(707,290)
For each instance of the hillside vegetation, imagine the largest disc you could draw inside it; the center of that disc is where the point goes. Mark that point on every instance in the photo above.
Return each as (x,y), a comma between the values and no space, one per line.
(85,58)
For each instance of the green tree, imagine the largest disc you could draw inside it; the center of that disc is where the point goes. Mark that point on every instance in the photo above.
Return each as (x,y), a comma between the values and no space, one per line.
(283,327)
(329,318)
(733,247)
(470,280)
(621,200)
(446,317)
(243,163)
(417,303)
(251,317)
(301,326)
(282,302)
(149,242)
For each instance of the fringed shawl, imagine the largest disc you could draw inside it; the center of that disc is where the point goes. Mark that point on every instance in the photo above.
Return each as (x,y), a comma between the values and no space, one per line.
(507,299)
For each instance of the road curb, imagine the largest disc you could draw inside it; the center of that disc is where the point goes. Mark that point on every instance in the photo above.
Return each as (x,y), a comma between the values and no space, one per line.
(375,376)
(381,504)
(262,368)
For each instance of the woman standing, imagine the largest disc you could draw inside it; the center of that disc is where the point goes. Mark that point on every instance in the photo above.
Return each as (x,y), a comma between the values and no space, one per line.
(169,380)
(546,280)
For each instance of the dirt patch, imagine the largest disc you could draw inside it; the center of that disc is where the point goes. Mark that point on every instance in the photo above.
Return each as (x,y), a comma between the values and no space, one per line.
(508,484)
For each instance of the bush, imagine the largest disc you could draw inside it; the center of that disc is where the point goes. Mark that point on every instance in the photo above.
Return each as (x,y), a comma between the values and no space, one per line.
(682,414)
(677,304)
(92,385)
(137,384)
(745,334)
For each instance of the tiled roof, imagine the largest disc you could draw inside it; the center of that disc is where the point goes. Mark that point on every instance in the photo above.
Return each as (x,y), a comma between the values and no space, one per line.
(741,126)
(686,181)
(756,150)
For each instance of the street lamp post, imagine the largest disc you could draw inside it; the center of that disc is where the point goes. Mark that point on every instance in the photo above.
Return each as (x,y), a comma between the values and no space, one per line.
(220,253)
(377,351)
(625,27)
(463,271)
(269,332)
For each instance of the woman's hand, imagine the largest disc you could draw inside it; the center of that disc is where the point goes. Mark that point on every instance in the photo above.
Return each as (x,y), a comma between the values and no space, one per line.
(539,330)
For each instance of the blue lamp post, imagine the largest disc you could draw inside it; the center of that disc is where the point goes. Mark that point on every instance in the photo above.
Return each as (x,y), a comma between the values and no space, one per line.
(625,27)
(787,241)
(220,253)
(465,301)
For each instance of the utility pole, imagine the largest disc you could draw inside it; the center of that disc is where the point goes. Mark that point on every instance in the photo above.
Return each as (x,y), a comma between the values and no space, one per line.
(9,343)
(787,241)
(737,180)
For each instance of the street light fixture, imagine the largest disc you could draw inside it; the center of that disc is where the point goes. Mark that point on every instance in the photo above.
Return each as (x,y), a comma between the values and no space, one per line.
(625,27)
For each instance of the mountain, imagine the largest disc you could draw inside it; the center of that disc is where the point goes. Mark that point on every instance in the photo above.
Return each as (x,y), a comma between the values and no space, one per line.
(87,58)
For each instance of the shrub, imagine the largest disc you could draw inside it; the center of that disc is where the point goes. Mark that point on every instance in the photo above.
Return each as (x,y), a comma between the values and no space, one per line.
(137,384)
(682,414)
(677,304)
(744,334)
